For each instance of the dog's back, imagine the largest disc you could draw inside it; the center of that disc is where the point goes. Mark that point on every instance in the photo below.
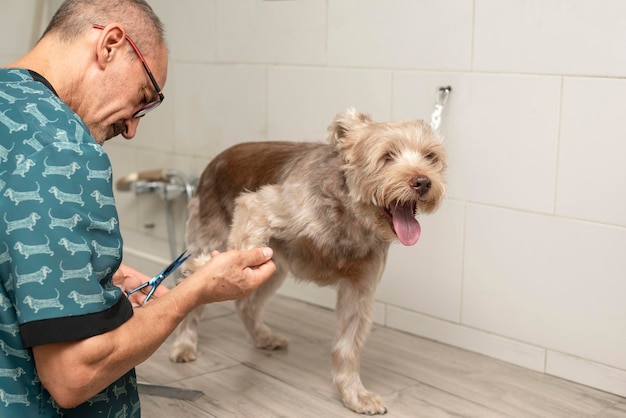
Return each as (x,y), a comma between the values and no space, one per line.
(243,167)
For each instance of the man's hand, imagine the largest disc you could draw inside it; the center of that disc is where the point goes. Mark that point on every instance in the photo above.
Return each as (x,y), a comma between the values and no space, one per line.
(235,274)
(127,278)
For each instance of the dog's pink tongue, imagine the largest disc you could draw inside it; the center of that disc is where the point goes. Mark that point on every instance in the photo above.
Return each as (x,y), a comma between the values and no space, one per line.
(407,228)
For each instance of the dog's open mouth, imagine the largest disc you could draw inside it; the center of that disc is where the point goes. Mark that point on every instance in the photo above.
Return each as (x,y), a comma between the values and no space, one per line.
(402,219)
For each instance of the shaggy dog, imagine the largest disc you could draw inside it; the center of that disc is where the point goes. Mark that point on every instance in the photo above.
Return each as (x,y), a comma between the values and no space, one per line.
(330,212)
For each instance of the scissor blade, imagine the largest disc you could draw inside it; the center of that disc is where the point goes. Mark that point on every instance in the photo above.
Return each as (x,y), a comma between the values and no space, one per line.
(180,260)
(170,269)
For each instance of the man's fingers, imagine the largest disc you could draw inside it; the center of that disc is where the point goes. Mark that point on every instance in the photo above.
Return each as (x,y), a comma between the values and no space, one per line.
(260,255)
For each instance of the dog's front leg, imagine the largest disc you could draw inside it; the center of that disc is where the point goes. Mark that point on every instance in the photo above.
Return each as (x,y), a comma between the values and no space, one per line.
(251,227)
(251,309)
(355,300)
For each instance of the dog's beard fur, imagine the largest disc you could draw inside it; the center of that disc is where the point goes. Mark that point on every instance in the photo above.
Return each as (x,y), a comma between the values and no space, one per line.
(330,212)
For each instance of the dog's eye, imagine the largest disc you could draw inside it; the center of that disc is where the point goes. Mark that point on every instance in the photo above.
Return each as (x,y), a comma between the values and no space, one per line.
(387,158)
(432,157)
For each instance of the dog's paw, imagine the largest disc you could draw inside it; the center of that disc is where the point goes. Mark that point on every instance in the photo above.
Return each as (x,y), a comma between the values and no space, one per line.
(263,337)
(183,354)
(270,342)
(367,403)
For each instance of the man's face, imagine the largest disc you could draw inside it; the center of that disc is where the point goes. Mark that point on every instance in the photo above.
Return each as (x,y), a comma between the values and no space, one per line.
(126,90)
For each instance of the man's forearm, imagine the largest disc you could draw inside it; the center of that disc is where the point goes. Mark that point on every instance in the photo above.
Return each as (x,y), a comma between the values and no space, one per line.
(73,372)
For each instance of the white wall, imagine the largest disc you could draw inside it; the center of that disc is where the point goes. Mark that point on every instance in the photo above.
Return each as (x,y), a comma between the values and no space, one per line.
(524,262)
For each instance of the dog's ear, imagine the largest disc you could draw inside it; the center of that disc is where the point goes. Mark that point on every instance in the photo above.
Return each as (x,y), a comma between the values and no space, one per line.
(344,122)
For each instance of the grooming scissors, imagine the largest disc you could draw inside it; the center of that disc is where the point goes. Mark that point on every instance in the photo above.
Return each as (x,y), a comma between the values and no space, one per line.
(156,280)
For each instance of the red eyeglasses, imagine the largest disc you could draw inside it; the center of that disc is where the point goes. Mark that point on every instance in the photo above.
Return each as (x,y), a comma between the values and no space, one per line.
(141,112)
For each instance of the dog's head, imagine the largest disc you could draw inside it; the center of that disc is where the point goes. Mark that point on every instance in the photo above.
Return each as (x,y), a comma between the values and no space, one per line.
(397,166)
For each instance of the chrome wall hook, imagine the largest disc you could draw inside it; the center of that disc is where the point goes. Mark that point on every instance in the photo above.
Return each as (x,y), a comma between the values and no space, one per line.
(442,98)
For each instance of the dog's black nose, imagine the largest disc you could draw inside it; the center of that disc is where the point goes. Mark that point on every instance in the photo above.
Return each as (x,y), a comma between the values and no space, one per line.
(422,184)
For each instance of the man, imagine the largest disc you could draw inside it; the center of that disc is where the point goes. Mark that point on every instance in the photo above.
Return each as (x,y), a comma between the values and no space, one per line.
(70,336)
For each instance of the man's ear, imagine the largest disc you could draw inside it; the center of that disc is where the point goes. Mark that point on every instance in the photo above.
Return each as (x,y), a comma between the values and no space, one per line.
(111,42)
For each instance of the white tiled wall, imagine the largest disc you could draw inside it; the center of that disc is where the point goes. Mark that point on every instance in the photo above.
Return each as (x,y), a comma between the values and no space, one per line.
(431,35)
(592,150)
(303,101)
(524,261)
(573,37)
